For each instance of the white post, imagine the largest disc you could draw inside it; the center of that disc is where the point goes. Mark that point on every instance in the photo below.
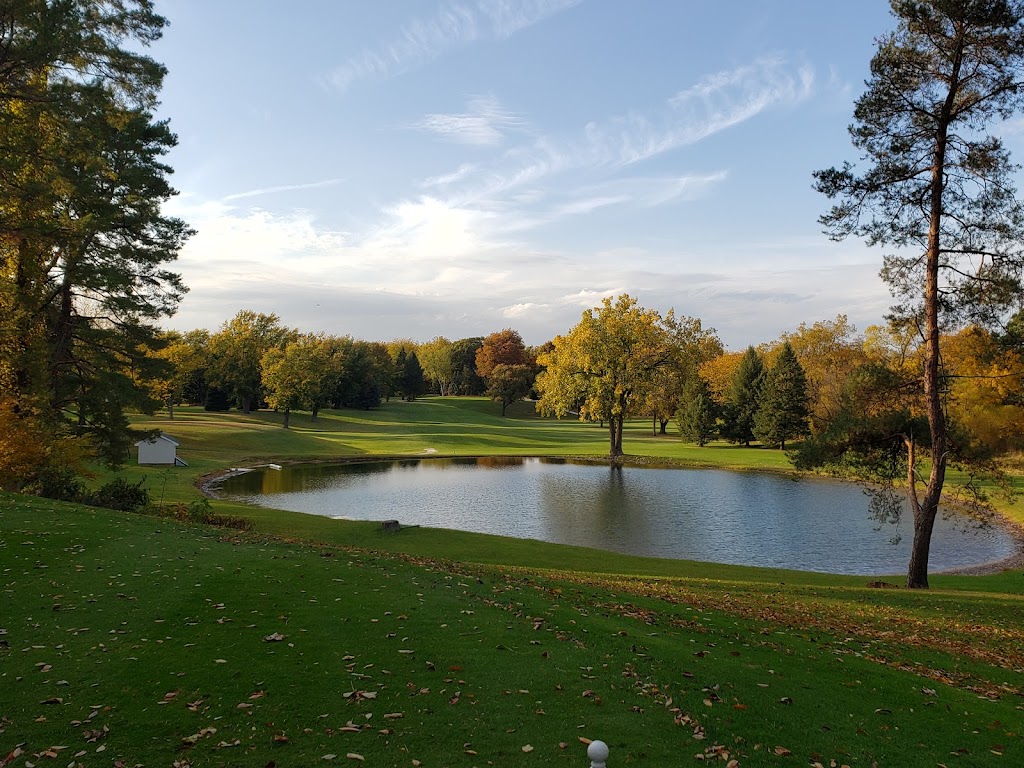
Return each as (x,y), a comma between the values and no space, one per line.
(598,754)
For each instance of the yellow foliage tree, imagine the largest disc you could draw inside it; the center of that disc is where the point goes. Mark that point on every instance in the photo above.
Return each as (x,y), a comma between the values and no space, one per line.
(605,366)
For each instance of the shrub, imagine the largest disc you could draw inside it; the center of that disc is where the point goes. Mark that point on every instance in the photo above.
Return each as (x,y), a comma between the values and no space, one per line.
(119,494)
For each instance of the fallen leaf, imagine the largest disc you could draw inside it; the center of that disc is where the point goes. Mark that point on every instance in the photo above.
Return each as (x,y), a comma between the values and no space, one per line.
(355,756)
(527,748)
(274,638)
(782,752)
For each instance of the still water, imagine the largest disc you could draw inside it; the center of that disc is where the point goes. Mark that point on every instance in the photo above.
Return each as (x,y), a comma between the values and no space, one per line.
(694,514)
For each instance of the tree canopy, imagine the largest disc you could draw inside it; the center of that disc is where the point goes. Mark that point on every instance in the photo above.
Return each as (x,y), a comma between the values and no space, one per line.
(604,366)
(84,245)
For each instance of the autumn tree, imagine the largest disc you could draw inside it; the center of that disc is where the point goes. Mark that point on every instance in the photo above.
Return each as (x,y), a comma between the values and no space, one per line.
(782,405)
(828,351)
(506,367)
(187,358)
(938,189)
(509,384)
(690,346)
(605,366)
(236,351)
(436,359)
(503,347)
(719,372)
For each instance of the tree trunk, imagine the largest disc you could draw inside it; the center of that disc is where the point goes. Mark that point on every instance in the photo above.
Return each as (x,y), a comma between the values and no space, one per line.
(314,413)
(170,409)
(664,424)
(615,436)
(287,416)
(924,513)
(924,522)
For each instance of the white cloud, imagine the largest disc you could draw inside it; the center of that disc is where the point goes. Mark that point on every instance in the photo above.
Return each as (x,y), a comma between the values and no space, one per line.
(283,188)
(455,24)
(485,123)
(607,147)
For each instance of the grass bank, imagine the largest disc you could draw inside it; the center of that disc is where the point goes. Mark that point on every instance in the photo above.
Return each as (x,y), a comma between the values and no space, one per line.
(135,640)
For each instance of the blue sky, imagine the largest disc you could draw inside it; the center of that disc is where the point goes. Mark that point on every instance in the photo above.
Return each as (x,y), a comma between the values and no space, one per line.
(454,167)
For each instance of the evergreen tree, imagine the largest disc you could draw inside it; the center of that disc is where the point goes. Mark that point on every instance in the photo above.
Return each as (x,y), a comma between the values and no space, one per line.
(697,415)
(414,383)
(216,400)
(743,398)
(84,245)
(782,413)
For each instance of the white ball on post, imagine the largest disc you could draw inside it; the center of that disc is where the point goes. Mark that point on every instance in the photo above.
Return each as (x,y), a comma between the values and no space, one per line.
(598,754)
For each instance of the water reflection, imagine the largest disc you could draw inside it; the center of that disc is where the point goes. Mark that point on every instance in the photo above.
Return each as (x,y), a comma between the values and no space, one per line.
(715,515)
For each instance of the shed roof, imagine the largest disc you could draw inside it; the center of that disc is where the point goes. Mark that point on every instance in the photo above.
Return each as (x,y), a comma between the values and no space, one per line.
(161,436)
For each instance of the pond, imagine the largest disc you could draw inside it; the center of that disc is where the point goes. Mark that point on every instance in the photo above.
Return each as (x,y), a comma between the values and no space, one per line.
(741,518)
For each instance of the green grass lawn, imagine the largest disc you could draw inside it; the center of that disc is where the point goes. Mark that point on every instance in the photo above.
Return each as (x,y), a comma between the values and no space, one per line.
(128,639)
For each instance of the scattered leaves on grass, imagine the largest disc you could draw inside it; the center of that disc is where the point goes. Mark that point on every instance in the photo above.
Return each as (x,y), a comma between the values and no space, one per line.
(203,732)
(274,638)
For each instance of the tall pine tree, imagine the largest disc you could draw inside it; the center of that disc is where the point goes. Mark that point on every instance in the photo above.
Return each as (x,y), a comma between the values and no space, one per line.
(937,188)
(743,398)
(698,412)
(782,413)
(84,247)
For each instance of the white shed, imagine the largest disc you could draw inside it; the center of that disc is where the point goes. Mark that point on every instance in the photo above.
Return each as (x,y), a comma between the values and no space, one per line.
(159,450)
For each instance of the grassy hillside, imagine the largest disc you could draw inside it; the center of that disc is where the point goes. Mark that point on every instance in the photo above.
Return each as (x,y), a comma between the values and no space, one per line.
(131,640)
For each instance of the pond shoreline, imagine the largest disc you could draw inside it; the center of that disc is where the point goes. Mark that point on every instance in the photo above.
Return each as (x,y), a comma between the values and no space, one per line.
(209,484)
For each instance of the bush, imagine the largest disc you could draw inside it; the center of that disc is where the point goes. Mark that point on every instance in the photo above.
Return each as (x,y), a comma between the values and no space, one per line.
(119,494)
(200,511)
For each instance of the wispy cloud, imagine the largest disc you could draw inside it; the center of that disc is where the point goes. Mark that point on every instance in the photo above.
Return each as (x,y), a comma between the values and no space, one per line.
(455,24)
(713,104)
(283,188)
(484,123)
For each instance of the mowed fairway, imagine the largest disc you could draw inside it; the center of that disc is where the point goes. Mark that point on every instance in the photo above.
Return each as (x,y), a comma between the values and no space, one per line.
(127,639)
